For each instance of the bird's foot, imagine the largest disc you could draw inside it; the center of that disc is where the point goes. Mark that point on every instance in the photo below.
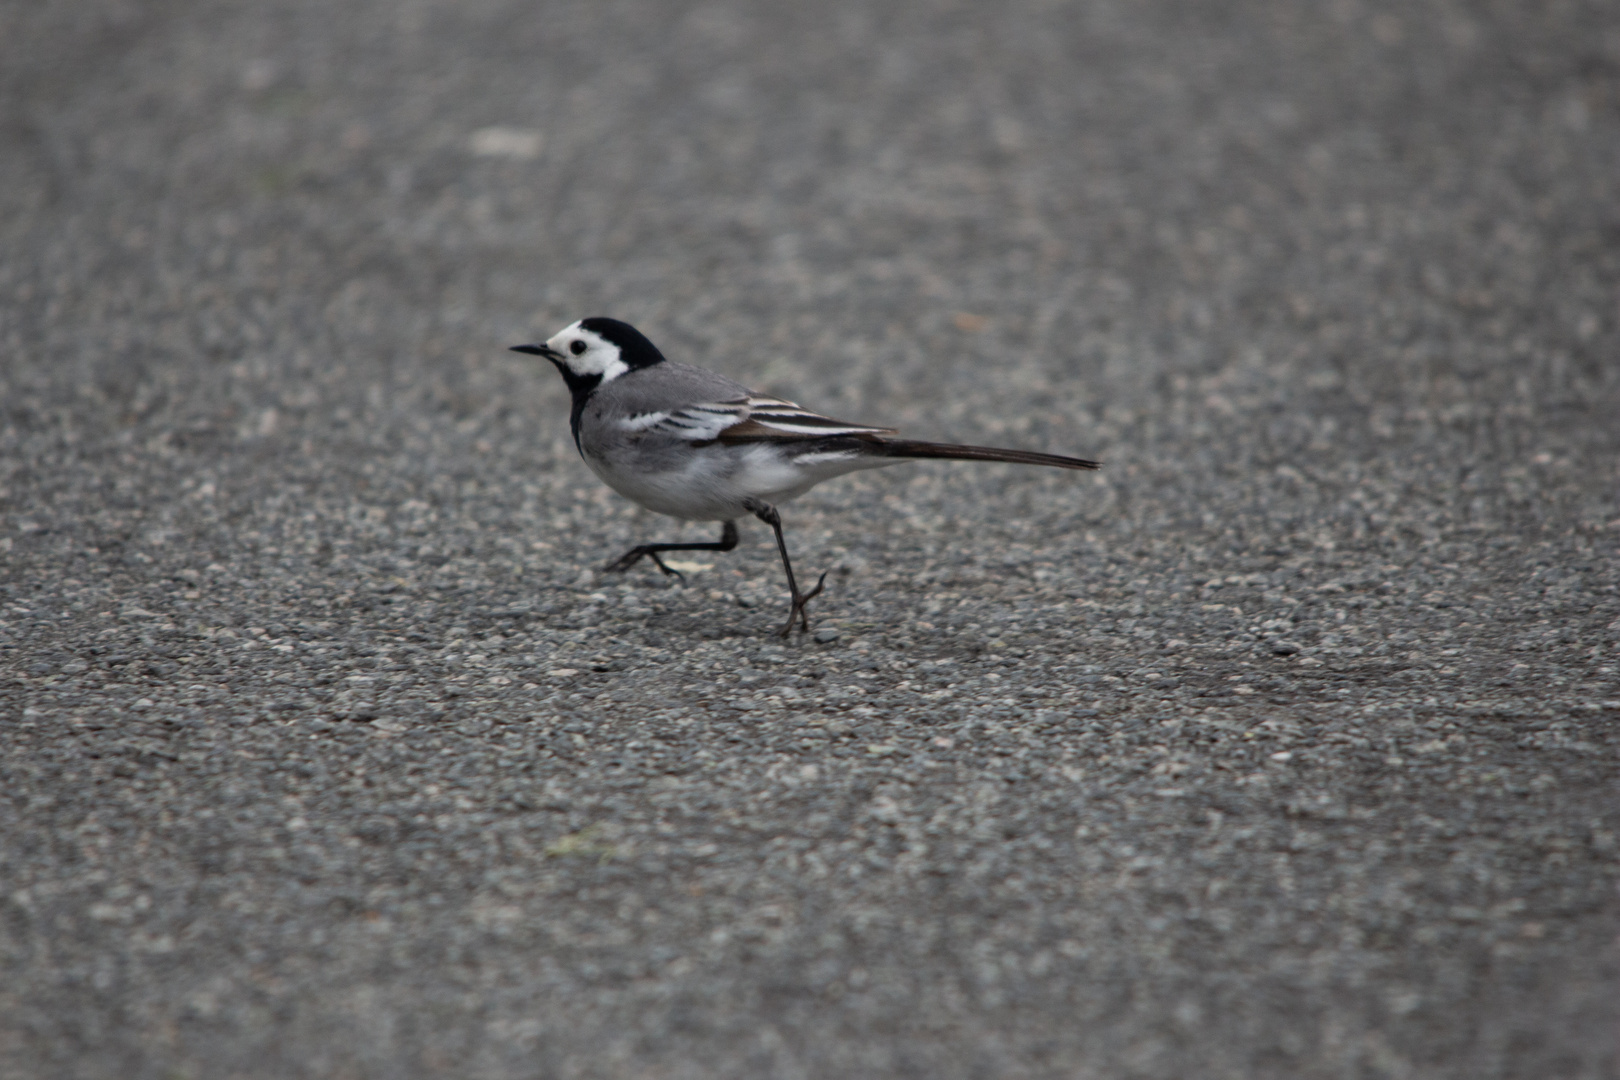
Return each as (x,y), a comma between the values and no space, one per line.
(797,612)
(634,556)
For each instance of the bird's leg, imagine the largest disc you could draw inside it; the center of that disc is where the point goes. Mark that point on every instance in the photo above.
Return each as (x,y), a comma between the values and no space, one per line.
(727,541)
(767,513)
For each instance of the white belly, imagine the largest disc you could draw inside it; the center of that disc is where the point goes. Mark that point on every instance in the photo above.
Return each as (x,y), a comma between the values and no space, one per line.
(719,486)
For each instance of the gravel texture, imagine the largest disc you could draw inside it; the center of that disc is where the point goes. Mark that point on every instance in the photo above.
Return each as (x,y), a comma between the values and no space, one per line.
(1286,746)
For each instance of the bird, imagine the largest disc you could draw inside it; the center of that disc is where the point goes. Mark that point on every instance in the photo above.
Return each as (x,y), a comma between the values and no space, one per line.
(696,445)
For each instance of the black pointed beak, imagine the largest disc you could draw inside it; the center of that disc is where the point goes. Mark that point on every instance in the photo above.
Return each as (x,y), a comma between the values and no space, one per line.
(539,350)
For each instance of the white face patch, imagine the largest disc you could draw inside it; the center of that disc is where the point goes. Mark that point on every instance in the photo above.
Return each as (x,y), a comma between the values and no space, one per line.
(598,357)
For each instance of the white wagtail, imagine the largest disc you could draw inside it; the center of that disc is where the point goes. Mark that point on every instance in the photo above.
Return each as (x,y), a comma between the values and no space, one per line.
(698,446)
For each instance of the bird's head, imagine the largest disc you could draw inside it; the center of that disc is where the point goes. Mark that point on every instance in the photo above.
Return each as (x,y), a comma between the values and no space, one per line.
(594,351)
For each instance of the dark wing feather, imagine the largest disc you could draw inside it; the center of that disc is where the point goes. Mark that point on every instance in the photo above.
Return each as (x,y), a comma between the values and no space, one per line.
(771,419)
(757,418)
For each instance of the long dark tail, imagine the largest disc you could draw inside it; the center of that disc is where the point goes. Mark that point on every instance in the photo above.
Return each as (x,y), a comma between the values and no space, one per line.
(907,448)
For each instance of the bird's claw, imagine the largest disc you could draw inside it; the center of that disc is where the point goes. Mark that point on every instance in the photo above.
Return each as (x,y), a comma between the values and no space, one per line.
(669,571)
(619,566)
(798,612)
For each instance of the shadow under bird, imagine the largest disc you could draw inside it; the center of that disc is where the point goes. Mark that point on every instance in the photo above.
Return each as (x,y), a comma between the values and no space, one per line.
(698,446)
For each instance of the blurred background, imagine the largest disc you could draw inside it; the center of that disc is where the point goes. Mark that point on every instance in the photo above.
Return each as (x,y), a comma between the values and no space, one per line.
(1090,224)
(1333,288)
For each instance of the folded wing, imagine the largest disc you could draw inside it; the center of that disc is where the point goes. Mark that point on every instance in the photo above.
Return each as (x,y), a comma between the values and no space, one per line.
(748,419)
(759,419)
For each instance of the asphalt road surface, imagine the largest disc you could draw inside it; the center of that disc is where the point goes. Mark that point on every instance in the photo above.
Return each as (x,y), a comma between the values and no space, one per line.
(1286,746)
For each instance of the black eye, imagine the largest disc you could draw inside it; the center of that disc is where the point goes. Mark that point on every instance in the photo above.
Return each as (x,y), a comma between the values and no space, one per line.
(576,347)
